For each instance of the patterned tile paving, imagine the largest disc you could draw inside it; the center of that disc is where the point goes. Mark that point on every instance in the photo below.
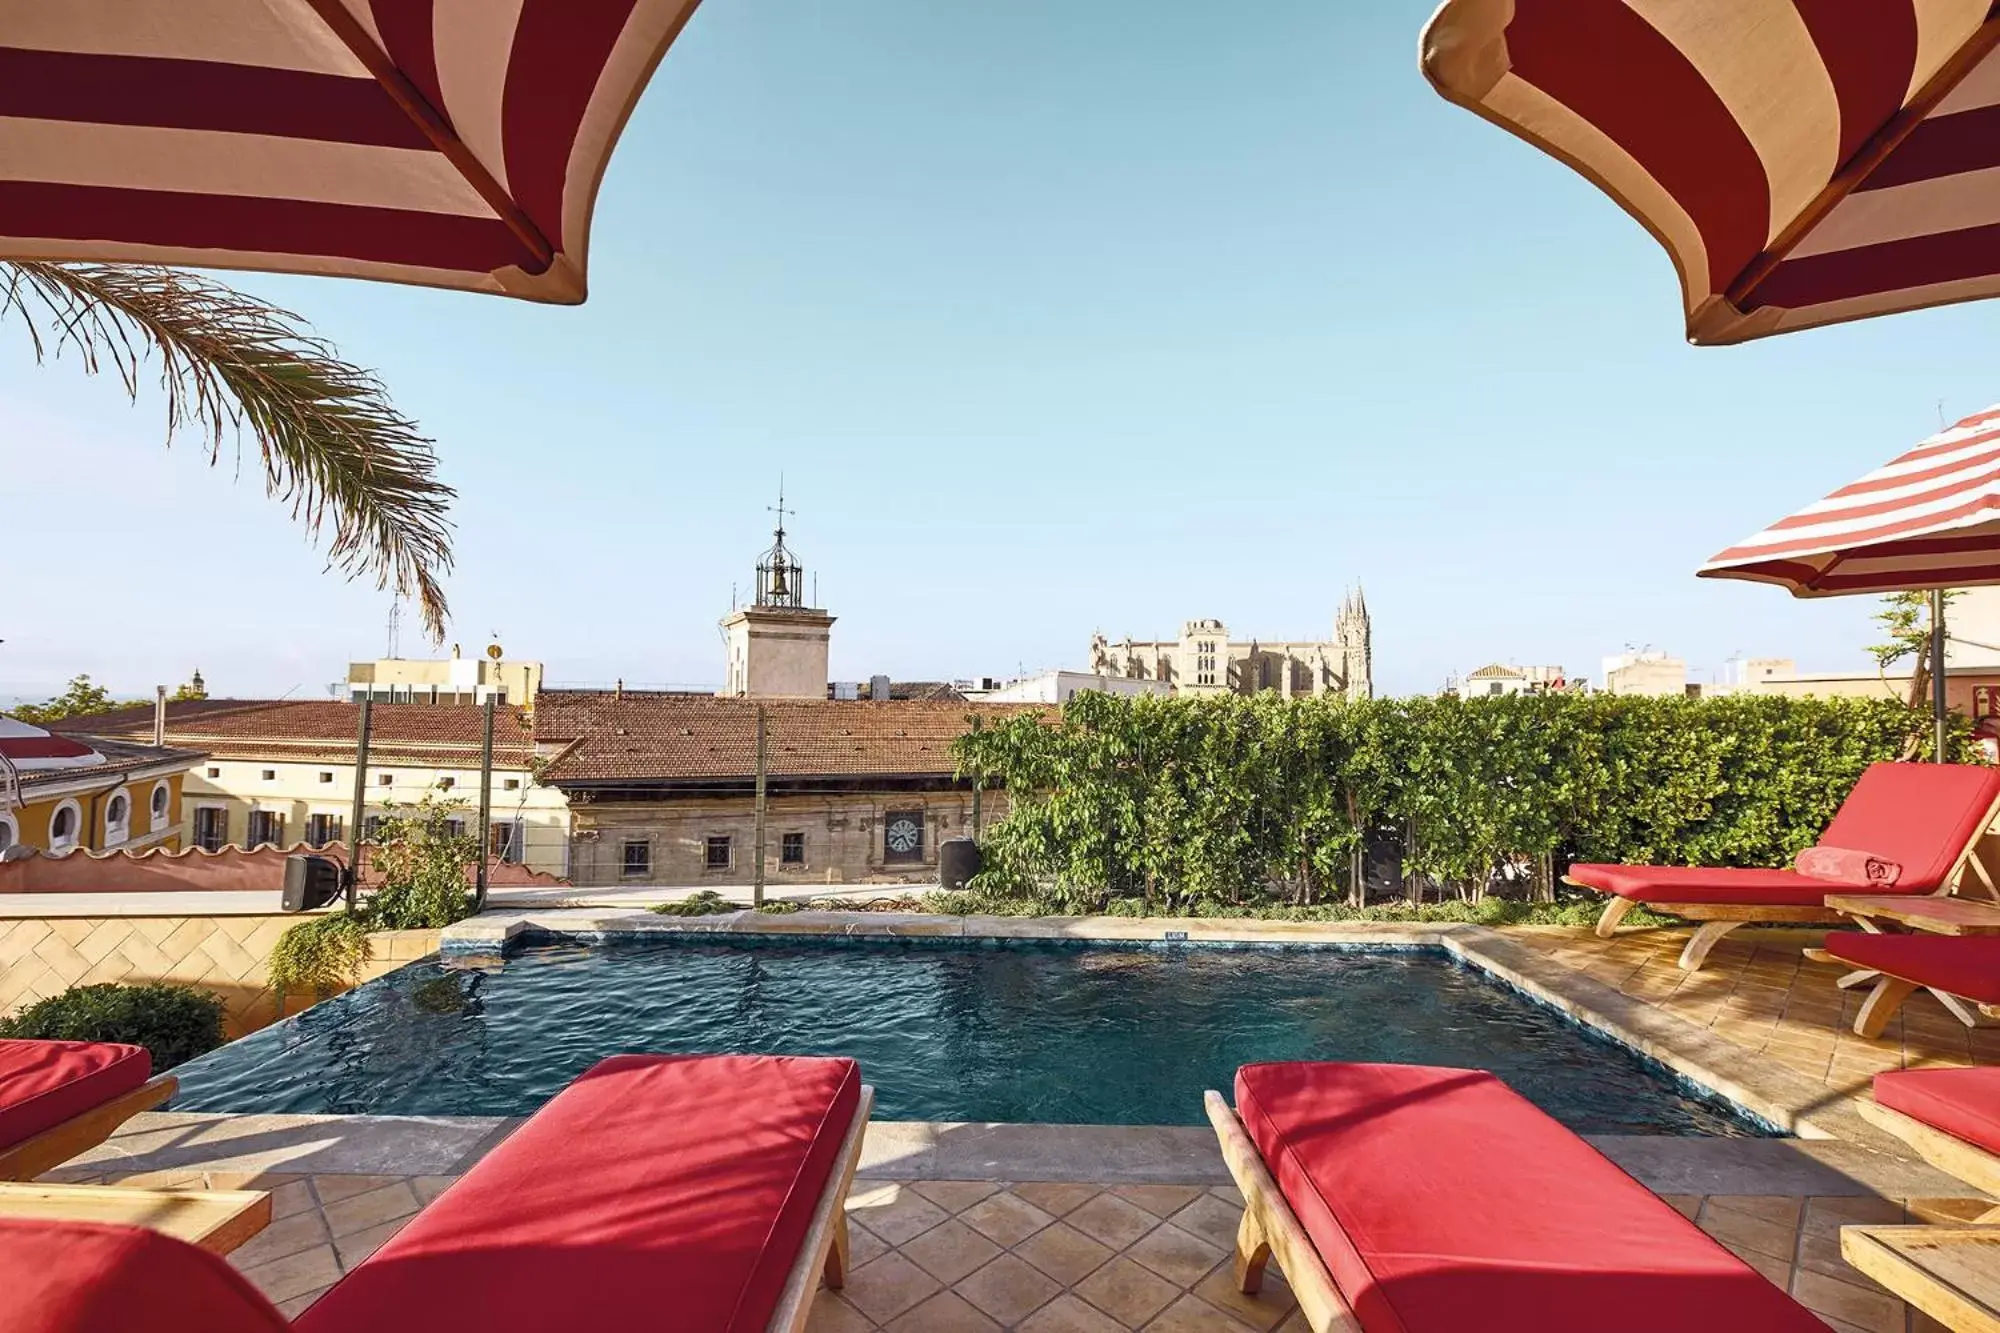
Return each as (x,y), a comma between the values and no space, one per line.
(945,1256)
(1760,992)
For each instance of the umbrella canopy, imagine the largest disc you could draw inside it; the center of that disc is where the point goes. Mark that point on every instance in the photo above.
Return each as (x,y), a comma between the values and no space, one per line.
(1929,519)
(1803,161)
(450,143)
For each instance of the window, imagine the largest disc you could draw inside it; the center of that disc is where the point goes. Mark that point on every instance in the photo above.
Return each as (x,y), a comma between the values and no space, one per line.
(371,828)
(62,827)
(903,835)
(215,772)
(718,852)
(266,827)
(503,840)
(1495,687)
(638,858)
(117,819)
(162,799)
(323,829)
(446,784)
(792,851)
(385,779)
(326,775)
(270,775)
(454,828)
(211,828)
(512,784)
(9,835)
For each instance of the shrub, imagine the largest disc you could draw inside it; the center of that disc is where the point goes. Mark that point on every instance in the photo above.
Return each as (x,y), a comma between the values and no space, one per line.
(423,864)
(706,902)
(174,1023)
(780,907)
(321,954)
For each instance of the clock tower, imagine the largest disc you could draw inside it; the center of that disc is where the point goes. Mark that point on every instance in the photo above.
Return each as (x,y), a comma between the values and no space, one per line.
(777,645)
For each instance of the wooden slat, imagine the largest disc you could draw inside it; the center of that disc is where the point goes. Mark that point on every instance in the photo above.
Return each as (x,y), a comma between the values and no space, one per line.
(216,1220)
(1947,1152)
(79,1134)
(826,1240)
(1267,1217)
(1935,916)
(1951,1274)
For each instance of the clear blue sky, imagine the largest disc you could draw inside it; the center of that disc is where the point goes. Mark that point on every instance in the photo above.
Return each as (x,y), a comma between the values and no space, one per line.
(1055,317)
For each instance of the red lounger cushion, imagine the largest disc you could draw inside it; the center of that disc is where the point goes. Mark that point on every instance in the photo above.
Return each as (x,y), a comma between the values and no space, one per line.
(1920,816)
(1967,965)
(43,1083)
(653,1192)
(1964,1103)
(1704,884)
(82,1277)
(1443,1201)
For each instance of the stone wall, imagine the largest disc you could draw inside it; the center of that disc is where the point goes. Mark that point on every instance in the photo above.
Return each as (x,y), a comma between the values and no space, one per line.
(843,838)
(229,955)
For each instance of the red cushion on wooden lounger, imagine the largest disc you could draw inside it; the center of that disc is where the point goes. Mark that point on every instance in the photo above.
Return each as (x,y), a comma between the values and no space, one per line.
(81,1277)
(1967,965)
(43,1083)
(1921,816)
(1441,1201)
(653,1192)
(1704,884)
(1964,1103)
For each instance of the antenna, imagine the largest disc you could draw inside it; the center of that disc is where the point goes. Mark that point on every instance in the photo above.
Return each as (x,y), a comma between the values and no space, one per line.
(395,628)
(780,510)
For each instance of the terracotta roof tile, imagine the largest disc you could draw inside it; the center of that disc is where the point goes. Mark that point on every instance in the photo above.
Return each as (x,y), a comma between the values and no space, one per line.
(679,737)
(311,730)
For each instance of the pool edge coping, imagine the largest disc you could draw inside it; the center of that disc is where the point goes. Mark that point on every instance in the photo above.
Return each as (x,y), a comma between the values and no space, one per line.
(1756,1084)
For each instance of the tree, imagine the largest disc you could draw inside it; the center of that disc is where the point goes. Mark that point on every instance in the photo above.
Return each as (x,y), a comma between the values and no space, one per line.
(423,857)
(331,444)
(1906,623)
(188,692)
(83,698)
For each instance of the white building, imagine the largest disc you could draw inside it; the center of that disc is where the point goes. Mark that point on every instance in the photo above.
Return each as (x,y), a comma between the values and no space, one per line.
(1058,687)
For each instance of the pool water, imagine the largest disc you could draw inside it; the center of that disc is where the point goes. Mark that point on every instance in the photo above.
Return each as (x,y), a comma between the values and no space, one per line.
(1052,1033)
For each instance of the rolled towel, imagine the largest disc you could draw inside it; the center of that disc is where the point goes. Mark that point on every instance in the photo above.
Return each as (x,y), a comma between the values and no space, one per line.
(1843,865)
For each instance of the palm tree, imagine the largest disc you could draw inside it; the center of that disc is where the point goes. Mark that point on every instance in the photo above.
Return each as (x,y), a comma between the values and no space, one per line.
(331,443)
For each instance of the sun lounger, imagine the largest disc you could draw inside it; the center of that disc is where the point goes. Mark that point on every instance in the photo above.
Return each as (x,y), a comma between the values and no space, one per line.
(701,1194)
(1925,818)
(1951,1117)
(1406,1199)
(1965,966)
(62,1098)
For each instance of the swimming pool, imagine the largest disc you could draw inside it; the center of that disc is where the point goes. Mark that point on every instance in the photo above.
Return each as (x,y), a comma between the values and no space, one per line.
(1028,1032)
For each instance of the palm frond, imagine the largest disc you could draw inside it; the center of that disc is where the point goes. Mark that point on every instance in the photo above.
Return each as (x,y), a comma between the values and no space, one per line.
(331,443)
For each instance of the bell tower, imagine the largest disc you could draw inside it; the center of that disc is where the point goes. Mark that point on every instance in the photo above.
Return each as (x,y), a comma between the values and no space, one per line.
(777,645)
(1353,636)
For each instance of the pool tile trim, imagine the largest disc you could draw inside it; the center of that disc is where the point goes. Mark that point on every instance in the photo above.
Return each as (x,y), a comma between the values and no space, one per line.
(1766,1090)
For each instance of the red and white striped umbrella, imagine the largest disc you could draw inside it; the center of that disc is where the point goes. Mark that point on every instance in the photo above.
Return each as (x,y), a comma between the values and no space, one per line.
(1929,519)
(1803,161)
(450,143)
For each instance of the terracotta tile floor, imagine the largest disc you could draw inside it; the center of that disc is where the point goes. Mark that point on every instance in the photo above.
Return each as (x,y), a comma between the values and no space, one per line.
(953,1256)
(1758,991)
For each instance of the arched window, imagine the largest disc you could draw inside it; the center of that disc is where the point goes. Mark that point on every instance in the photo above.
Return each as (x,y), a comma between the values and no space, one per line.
(162,801)
(9,835)
(117,818)
(62,827)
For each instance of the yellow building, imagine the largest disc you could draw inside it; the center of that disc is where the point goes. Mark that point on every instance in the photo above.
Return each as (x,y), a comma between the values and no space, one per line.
(446,680)
(65,793)
(281,772)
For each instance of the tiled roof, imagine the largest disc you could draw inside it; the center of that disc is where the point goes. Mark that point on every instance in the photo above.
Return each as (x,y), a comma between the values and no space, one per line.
(119,757)
(1495,671)
(309,730)
(682,737)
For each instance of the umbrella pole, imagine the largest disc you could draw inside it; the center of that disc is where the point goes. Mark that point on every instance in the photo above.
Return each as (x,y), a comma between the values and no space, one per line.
(1940,712)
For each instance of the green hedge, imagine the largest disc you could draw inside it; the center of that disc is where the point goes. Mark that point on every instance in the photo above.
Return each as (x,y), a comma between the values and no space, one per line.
(173,1023)
(1178,802)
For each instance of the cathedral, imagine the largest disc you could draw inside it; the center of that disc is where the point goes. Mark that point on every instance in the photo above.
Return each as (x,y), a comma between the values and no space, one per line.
(1204,660)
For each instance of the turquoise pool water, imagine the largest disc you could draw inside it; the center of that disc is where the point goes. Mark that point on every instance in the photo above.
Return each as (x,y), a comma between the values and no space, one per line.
(1083,1035)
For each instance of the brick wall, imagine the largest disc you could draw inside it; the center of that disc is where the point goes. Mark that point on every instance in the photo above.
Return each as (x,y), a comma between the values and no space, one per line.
(228,955)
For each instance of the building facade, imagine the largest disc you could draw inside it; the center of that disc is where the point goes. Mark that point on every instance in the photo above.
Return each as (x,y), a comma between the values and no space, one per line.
(63,793)
(282,772)
(446,680)
(662,787)
(1204,660)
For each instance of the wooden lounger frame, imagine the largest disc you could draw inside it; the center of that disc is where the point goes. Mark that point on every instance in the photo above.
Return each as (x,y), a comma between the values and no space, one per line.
(1947,1152)
(1270,1229)
(1718,919)
(825,1248)
(79,1134)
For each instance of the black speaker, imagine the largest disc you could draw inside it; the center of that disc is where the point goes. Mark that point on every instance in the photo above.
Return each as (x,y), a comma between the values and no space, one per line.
(310,882)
